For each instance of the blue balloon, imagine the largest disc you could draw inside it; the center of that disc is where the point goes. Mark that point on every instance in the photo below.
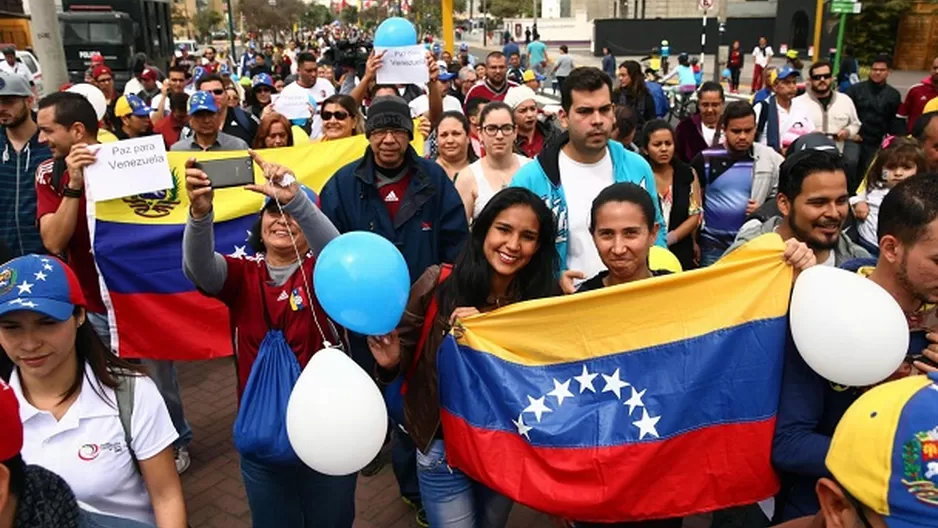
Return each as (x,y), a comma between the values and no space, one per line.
(362,282)
(394,32)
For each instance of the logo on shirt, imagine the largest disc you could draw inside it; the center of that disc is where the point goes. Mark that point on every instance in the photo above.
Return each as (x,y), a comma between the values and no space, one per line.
(89,452)
(7,280)
(43,172)
(391,197)
(157,204)
(283,296)
(296,300)
(426,226)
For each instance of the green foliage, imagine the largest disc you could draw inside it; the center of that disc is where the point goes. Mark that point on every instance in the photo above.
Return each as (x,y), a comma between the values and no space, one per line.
(427,14)
(205,22)
(349,15)
(371,17)
(873,31)
(317,15)
(508,8)
(260,15)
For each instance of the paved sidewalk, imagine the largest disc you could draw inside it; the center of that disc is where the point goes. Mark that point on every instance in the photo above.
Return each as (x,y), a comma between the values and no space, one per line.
(214,494)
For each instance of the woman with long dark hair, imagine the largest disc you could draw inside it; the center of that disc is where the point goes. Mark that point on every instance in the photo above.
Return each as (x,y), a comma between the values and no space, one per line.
(262,90)
(454,150)
(77,397)
(633,93)
(340,118)
(678,192)
(510,257)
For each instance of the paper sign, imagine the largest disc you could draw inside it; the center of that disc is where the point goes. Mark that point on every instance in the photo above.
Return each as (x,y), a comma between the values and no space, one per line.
(403,65)
(292,104)
(127,168)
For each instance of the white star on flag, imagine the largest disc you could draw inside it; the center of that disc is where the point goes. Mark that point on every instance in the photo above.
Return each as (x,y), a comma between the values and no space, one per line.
(16,301)
(40,275)
(647,425)
(44,260)
(561,391)
(635,400)
(26,287)
(522,427)
(239,252)
(537,407)
(28,304)
(614,384)
(47,267)
(585,380)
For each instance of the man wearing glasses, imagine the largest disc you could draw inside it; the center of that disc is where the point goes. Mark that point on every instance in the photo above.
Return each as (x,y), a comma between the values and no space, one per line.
(235,121)
(831,112)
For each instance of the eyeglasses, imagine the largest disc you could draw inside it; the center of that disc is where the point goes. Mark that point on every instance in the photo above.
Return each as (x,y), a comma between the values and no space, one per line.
(339,115)
(383,133)
(217,91)
(493,130)
(821,77)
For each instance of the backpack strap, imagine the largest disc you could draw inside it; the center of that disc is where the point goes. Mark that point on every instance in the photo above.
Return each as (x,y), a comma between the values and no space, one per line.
(125,410)
(428,319)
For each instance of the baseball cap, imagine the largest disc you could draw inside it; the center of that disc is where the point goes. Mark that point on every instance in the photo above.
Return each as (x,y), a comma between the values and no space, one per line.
(100,70)
(224,69)
(786,72)
(464,47)
(148,74)
(97,58)
(447,76)
(42,284)
(11,441)
(131,104)
(202,101)
(530,75)
(15,85)
(262,79)
(885,451)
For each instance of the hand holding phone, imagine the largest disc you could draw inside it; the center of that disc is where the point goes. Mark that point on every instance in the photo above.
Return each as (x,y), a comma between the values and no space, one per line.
(229,172)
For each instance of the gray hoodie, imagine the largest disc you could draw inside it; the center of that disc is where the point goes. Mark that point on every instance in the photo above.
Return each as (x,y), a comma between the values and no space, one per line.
(845,251)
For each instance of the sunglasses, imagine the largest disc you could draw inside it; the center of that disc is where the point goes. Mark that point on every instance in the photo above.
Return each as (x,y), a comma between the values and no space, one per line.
(339,115)
(262,89)
(821,77)
(217,91)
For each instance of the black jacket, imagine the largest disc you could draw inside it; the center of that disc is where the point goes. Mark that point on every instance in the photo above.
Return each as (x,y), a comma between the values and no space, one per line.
(877,106)
(643,105)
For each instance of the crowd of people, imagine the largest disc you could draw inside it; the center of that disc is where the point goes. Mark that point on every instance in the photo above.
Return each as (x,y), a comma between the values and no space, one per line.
(506,203)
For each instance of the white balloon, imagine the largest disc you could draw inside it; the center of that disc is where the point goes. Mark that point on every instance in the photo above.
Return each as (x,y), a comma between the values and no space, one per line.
(336,417)
(846,327)
(94,96)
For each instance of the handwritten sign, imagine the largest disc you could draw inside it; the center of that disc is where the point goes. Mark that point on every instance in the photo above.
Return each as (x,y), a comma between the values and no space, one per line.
(403,65)
(292,104)
(130,167)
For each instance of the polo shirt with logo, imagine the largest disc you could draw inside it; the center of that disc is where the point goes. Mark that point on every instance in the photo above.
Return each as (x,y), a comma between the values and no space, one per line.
(87,447)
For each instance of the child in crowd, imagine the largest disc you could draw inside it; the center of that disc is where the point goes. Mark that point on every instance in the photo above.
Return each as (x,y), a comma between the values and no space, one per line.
(899,159)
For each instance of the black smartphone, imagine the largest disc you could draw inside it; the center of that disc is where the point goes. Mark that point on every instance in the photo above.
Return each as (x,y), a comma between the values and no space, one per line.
(230,172)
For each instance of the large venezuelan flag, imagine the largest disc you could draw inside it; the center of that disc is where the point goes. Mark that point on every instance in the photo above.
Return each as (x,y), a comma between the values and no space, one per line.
(154,311)
(644,401)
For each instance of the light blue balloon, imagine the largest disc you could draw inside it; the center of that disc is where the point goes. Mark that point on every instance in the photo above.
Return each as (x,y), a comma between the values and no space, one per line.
(362,282)
(394,32)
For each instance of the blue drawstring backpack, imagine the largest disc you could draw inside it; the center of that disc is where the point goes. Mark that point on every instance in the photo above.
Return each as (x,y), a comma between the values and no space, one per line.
(260,429)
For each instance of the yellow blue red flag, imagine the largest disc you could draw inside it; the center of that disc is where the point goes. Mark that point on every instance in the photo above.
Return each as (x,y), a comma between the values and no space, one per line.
(155,312)
(651,400)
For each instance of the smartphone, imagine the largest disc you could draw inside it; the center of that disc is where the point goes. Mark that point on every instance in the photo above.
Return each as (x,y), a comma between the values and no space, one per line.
(230,172)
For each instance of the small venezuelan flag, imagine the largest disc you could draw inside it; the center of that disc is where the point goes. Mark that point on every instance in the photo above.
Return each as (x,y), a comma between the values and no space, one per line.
(644,401)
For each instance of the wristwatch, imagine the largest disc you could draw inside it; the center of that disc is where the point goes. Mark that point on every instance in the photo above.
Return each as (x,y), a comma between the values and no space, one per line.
(68,192)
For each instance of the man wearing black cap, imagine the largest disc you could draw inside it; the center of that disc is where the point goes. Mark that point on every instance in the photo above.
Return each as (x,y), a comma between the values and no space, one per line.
(394,192)
(10,64)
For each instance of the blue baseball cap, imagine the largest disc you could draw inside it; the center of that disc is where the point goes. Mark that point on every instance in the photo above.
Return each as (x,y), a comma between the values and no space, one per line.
(197,73)
(262,79)
(202,101)
(787,71)
(447,76)
(224,69)
(130,104)
(437,47)
(41,284)
(464,47)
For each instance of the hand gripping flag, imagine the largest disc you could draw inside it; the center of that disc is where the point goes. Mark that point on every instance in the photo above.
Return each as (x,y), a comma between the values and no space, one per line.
(651,400)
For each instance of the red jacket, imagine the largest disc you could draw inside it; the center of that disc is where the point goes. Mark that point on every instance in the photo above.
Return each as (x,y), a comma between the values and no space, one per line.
(915,101)
(170,128)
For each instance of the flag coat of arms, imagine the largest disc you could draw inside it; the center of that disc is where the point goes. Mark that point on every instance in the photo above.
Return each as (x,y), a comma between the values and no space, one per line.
(651,400)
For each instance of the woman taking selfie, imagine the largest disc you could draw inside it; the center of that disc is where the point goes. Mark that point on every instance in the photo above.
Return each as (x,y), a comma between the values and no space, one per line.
(73,390)
(494,171)
(288,227)
(510,257)
(454,153)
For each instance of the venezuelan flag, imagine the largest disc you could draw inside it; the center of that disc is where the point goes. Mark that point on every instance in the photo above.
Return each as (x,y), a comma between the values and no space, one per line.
(154,311)
(644,401)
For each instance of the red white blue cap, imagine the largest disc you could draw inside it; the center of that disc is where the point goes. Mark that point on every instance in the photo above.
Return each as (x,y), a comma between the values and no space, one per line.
(42,284)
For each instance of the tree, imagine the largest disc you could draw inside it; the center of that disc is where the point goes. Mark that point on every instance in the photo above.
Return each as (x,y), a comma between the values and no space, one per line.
(508,8)
(316,16)
(349,15)
(181,19)
(260,15)
(371,17)
(873,31)
(204,22)
(427,15)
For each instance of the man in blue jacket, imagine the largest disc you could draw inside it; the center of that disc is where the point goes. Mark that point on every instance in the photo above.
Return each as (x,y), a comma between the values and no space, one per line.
(409,200)
(572,170)
(810,406)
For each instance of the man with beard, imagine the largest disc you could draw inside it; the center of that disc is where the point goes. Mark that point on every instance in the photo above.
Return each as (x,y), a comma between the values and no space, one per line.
(134,115)
(495,85)
(919,95)
(831,112)
(813,202)
(21,153)
(810,407)
(735,179)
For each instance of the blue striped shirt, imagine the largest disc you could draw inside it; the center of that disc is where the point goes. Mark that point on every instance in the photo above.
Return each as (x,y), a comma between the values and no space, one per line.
(18,228)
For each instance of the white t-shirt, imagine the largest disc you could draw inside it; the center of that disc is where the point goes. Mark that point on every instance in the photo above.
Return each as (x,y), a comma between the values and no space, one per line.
(867,228)
(320,91)
(134,86)
(18,68)
(86,446)
(831,260)
(708,133)
(762,58)
(792,124)
(581,184)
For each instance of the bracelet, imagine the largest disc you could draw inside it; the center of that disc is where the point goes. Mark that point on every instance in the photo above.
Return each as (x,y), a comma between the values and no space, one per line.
(68,192)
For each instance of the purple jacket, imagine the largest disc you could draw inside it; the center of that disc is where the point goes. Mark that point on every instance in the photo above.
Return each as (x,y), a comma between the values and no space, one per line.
(690,140)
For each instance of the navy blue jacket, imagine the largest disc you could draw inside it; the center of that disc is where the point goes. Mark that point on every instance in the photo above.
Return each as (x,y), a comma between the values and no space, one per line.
(430,227)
